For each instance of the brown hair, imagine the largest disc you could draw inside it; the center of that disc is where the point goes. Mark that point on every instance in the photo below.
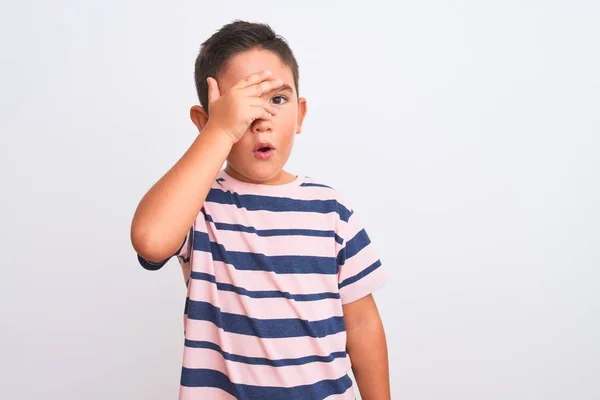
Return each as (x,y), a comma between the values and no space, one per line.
(232,39)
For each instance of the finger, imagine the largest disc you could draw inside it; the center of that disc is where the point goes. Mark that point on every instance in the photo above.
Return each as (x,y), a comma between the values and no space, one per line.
(263,87)
(213,90)
(253,79)
(270,109)
(261,113)
(257,101)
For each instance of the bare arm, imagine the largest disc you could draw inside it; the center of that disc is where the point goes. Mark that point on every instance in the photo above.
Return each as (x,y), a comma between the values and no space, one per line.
(367,348)
(166,213)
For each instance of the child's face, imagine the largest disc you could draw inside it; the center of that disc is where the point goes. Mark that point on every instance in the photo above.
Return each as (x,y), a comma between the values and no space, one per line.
(280,131)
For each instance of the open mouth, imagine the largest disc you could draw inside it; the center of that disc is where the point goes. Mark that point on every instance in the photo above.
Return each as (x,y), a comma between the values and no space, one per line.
(263,147)
(263,150)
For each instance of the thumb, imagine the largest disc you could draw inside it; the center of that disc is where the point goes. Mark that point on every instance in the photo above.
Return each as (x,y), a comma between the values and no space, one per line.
(213,89)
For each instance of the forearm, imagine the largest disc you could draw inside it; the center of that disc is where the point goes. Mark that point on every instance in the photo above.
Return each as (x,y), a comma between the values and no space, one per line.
(167,211)
(367,347)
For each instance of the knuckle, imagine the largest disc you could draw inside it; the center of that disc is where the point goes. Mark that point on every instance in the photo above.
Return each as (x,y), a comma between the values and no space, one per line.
(264,87)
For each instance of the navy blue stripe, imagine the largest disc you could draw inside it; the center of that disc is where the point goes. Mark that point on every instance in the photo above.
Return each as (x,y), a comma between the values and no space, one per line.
(361,274)
(308,184)
(260,262)
(263,294)
(284,362)
(272,232)
(201,241)
(264,328)
(253,202)
(354,246)
(341,257)
(211,378)
(151,266)
(277,264)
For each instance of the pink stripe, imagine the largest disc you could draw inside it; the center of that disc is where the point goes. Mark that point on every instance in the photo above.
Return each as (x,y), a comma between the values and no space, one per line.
(363,259)
(351,228)
(264,280)
(300,193)
(364,286)
(183,251)
(269,219)
(265,308)
(265,375)
(197,393)
(272,349)
(317,192)
(273,245)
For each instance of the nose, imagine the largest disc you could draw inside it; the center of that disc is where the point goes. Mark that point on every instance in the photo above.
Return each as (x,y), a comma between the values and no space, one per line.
(261,125)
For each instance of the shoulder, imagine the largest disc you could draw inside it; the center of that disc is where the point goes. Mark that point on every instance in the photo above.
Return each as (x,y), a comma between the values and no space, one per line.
(314,187)
(317,183)
(325,191)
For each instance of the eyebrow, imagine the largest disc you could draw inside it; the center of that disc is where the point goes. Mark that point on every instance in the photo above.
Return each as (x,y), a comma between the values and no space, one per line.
(283,87)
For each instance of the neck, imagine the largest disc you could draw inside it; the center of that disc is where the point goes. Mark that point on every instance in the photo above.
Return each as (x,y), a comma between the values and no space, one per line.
(281,178)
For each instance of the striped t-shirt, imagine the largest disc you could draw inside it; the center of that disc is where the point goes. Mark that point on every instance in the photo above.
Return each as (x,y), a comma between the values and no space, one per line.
(267,270)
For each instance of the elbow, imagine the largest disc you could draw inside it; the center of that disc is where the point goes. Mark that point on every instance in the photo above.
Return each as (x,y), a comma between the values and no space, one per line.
(148,248)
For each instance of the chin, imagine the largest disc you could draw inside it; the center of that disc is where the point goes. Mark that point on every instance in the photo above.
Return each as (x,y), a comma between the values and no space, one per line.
(264,174)
(258,173)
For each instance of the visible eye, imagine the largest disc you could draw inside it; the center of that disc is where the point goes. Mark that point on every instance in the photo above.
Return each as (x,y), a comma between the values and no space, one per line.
(279,100)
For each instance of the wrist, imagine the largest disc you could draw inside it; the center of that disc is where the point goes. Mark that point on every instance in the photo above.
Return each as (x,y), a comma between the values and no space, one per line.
(219,134)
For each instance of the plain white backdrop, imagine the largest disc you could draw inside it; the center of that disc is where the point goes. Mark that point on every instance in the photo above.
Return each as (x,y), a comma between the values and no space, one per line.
(465,133)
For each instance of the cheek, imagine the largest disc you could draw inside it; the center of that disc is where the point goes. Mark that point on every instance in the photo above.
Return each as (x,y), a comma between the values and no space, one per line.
(286,119)
(287,139)
(239,149)
(245,143)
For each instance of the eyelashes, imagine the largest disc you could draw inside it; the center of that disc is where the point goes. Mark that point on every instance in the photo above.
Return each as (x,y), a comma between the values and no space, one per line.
(282,100)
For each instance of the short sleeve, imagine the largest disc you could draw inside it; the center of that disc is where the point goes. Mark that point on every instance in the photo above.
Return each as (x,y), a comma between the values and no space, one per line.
(360,271)
(183,254)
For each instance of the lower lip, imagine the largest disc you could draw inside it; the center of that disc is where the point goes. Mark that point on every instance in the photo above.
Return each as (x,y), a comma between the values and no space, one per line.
(263,155)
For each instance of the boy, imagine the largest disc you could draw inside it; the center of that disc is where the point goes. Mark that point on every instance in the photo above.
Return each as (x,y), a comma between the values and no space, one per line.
(278,269)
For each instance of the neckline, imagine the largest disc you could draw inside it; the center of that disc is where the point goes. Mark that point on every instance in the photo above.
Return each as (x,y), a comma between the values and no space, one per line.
(247,187)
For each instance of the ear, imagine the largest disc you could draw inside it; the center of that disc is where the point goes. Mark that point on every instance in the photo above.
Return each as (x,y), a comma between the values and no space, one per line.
(199,117)
(301,113)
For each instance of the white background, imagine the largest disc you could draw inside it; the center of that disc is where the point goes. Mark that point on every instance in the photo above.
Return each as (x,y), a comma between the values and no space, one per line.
(466,134)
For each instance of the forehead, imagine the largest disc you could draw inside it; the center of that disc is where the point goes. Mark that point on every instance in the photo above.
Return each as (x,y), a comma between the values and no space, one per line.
(250,62)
